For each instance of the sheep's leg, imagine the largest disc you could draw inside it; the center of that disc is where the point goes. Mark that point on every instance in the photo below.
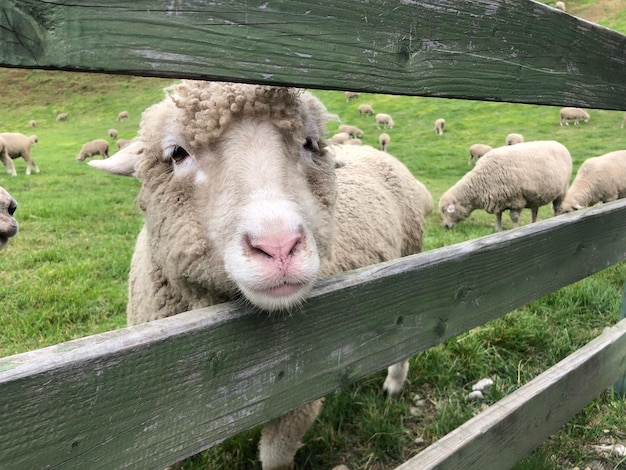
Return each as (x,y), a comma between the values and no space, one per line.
(498,221)
(281,437)
(396,376)
(10,166)
(533,214)
(514,214)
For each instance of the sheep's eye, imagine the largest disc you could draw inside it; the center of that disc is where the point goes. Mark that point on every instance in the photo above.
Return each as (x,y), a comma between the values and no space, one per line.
(179,154)
(311,145)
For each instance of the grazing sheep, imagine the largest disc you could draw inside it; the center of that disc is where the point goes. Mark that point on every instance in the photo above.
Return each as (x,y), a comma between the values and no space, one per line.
(121,143)
(122,115)
(113,133)
(560,6)
(352,131)
(366,110)
(599,179)
(32,123)
(93,147)
(383,141)
(18,145)
(8,224)
(530,174)
(351,95)
(61,117)
(476,151)
(573,114)
(384,120)
(440,124)
(339,138)
(353,142)
(513,138)
(284,210)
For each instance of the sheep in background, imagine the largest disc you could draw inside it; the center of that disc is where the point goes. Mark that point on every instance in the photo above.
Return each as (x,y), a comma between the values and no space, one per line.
(599,179)
(384,120)
(573,114)
(113,133)
(476,151)
(121,143)
(8,224)
(366,110)
(353,142)
(277,223)
(560,6)
(352,131)
(513,177)
(18,145)
(513,138)
(32,123)
(339,138)
(61,117)
(351,95)
(122,115)
(440,124)
(383,141)
(93,147)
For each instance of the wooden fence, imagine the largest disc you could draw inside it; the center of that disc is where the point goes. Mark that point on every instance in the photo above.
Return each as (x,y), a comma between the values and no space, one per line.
(99,402)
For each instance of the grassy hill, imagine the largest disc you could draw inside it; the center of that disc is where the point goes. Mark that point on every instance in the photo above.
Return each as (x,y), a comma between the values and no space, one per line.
(65,274)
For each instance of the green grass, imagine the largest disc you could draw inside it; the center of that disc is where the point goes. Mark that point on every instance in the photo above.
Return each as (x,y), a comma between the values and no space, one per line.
(64,276)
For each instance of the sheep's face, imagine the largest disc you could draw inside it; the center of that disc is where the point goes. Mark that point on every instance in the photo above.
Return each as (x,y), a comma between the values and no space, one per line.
(8,224)
(249,210)
(452,212)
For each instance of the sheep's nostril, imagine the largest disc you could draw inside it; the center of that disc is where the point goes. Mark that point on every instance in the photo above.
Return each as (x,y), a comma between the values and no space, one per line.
(12,207)
(276,247)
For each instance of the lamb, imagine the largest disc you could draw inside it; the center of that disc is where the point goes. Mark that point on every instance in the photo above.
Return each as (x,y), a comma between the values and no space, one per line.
(573,114)
(599,179)
(351,95)
(263,208)
(17,145)
(383,141)
(476,151)
(113,133)
(8,224)
(93,147)
(513,138)
(121,143)
(384,120)
(122,115)
(352,131)
(32,123)
(560,6)
(366,110)
(530,174)
(440,124)
(61,117)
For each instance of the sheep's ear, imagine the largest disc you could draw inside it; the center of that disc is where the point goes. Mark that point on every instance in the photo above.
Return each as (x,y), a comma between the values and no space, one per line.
(121,163)
(450,208)
(577,206)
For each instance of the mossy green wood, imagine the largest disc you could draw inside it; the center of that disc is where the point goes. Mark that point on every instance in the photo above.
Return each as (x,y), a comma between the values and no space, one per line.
(149,395)
(519,51)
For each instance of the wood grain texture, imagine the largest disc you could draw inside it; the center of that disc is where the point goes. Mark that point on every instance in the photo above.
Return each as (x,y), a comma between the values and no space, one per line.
(510,429)
(149,395)
(502,50)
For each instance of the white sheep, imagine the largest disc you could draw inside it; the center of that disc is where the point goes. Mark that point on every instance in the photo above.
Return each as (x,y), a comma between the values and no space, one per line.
(122,115)
(113,133)
(599,179)
(513,138)
(476,151)
(262,209)
(384,120)
(93,147)
(366,110)
(351,95)
(8,224)
(121,143)
(353,131)
(32,123)
(573,114)
(513,177)
(18,145)
(383,141)
(61,117)
(353,142)
(440,124)
(560,6)
(339,138)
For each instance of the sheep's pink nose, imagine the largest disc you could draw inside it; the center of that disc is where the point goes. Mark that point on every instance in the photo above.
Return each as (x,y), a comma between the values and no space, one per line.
(278,247)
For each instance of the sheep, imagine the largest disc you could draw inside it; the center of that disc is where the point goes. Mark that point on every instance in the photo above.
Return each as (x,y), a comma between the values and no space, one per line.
(352,131)
(513,138)
(353,142)
(121,143)
(440,124)
(113,133)
(8,224)
(560,6)
(351,95)
(366,110)
(93,147)
(476,151)
(32,123)
(61,117)
(599,179)
(573,114)
(284,210)
(17,145)
(122,115)
(383,141)
(530,174)
(384,120)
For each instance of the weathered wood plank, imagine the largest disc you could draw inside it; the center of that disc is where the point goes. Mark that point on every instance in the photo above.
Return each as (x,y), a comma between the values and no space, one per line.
(149,395)
(503,50)
(509,430)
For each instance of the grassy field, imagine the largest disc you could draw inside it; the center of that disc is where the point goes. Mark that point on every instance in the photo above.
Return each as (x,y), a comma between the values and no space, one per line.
(64,276)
